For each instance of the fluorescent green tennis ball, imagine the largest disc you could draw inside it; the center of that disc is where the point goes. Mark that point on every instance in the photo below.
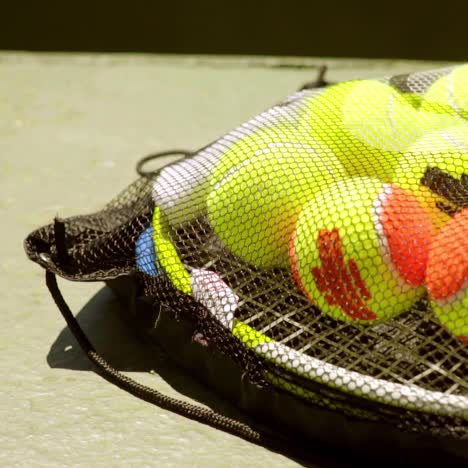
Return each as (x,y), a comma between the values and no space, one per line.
(254,207)
(442,157)
(167,254)
(360,249)
(326,120)
(381,116)
(367,124)
(447,275)
(283,136)
(180,190)
(450,138)
(249,336)
(449,93)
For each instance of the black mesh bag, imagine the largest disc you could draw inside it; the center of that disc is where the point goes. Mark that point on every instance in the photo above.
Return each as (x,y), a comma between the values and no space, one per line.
(311,266)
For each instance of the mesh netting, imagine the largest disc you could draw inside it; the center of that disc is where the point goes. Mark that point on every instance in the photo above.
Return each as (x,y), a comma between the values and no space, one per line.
(327,238)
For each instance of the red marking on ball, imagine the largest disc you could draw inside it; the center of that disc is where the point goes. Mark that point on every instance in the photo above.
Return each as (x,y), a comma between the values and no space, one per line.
(340,280)
(447,268)
(409,231)
(463,339)
(358,281)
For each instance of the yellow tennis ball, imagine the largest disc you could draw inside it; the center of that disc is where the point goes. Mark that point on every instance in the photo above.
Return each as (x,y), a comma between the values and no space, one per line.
(449,138)
(434,169)
(447,275)
(449,93)
(284,136)
(254,207)
(327,122)
(167,254)
(367,124)
(380,116)
(180,189)
(360,248)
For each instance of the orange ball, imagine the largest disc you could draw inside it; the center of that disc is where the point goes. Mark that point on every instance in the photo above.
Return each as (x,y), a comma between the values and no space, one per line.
(447,275)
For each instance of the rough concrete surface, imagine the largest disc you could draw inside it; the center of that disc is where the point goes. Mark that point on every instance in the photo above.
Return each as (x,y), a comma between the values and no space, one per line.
(71,130)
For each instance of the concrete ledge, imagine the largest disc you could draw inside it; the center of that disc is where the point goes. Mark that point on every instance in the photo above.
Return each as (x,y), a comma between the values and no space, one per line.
(72,129)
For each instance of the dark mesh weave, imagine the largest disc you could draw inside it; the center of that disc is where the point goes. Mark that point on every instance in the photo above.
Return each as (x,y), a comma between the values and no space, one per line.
(314,247)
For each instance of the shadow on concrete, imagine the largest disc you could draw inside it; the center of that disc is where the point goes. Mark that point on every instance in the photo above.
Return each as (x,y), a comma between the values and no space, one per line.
(102,320)
(106,324)
(116,340)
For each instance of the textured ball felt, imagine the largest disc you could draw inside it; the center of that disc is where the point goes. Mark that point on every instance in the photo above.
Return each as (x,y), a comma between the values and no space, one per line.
(360,249)
(254,207)
(449,138)
(283,135)
(449,93)
(180,190)
(145,255)
(381,116)
(447,275)
(433,168)
(367,124)
(167,254)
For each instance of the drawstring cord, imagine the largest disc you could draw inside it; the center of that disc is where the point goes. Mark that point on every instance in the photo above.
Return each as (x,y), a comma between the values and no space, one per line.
(263,437)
